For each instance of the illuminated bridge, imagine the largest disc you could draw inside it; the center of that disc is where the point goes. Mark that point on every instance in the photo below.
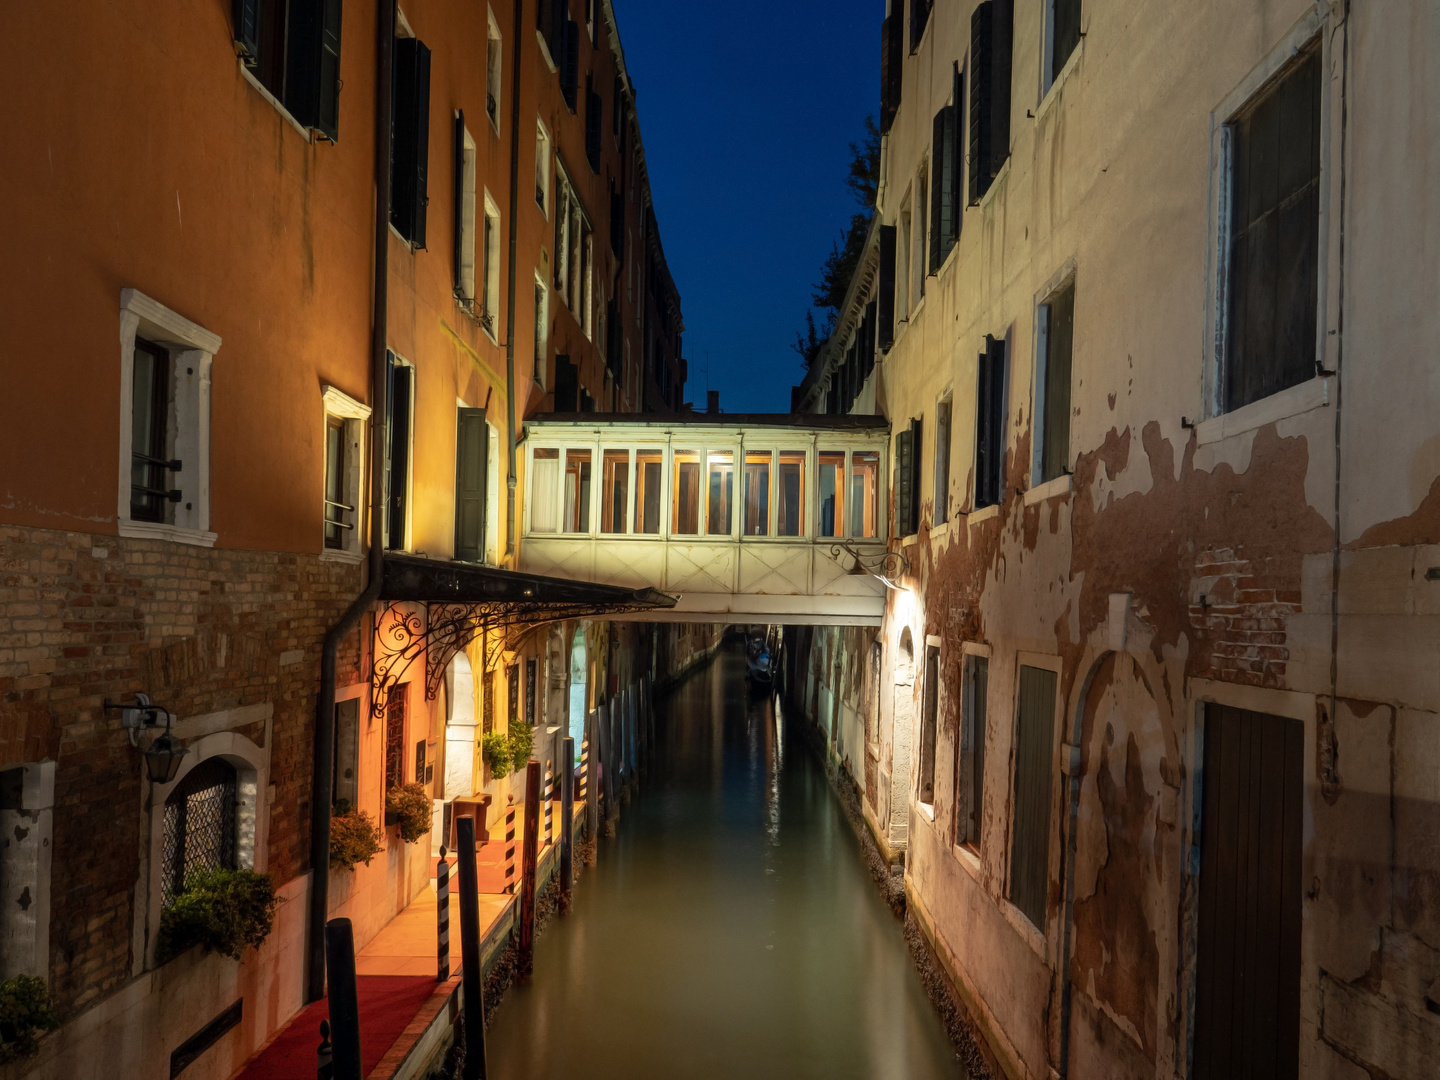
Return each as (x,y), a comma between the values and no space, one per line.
(751,518)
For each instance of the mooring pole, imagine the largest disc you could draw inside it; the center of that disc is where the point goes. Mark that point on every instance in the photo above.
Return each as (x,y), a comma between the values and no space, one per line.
(470,970)
(606,771)
(526,962)
(344,999)
(592,785)
(442,917)
(567,814)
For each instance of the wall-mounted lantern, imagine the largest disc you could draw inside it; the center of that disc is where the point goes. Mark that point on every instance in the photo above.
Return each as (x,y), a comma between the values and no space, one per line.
(163,755)
(883,566)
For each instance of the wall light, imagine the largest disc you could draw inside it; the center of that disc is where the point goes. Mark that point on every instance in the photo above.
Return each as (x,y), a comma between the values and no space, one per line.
(165,752)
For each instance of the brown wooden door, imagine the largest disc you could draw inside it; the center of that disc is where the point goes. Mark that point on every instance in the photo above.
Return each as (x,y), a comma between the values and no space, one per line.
(1247,1008)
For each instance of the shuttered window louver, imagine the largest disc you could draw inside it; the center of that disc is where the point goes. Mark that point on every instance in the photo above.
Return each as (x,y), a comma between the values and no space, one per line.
(247,31)
(904,466)
(990,425)
(459,212)
(569,64)
(919,19)
(312,75)
(944,219)
(886,298)
(410,149)
(397,453)
(1030,830)
(892,62)
(472,446)
(594,110)
(991,48)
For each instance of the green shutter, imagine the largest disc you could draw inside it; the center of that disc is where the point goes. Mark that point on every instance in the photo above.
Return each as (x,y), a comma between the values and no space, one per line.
(904,491)
(1030,812)
(247,31)
(942,188)
(885,299)
(472,446)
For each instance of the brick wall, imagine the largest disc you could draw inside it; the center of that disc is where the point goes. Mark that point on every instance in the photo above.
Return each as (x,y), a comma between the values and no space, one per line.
(85,619)
(1240,614)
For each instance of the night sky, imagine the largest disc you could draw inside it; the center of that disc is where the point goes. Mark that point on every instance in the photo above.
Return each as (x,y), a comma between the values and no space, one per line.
(747,110)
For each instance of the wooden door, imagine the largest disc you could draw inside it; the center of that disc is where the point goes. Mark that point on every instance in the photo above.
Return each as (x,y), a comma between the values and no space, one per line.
(1247,1007)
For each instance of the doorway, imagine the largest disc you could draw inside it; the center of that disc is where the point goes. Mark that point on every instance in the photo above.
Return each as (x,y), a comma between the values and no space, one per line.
(902,730)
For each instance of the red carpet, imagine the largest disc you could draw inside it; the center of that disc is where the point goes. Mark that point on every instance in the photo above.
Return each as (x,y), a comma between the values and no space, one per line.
(387,1005)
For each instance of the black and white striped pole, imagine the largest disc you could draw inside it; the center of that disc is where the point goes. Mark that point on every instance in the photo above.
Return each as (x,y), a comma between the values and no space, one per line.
(442,918)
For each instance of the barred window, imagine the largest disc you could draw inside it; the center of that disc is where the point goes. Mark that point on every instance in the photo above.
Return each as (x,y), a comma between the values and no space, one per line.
(199,825)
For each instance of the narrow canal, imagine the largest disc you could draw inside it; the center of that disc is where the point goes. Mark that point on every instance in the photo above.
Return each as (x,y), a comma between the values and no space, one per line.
(731,928)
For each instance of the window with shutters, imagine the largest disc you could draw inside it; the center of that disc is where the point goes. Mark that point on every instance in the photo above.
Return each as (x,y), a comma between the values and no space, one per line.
(574,246)
(1054,342)
(512,694)
(945,199)
(531,690)
(464,215)
(542,331)
(1272,285)
(399,423)
(907,479)
(990,425)
(970,750)
(345,765)
(165,363)
(569,61)
(919,228)
(1062,38)
(1030,809)
(397,701)
(991,53)
(472,476)
(885,299)
(342,517)
(493,59)
(941,512)
(336,509)
(292,51)
(892,60)
(490,268)
(542,168)
(200,825)
(919,20)
(929,723)
(902,263)
(410,149)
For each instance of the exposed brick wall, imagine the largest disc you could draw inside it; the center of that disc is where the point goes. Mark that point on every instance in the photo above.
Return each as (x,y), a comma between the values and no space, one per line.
(85,619)
(1240,615)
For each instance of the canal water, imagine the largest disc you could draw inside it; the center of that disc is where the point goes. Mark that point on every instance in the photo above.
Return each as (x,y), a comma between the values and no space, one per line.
(731,929)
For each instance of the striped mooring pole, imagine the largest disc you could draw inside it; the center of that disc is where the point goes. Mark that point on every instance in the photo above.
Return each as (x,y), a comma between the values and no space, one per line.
(442,918)
(584,766)
(510,846)
(549,805)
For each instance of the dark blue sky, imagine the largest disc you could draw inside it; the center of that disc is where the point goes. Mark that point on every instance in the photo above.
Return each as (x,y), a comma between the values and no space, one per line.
(747,110)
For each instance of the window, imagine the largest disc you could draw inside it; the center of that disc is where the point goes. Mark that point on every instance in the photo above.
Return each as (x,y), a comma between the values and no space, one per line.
(615,510)
(929,713)
(569,62)
(757,493)
(464,213)
(1273,281)
(864,493)
(790,494)
(917,258)
(336,509)
(573,250)
(293,51)
(490,255)
(396,713)
(886,301)
(970,751)
(892,60)
(902,263)
(945,201)
(990,425)
(399,417)
(410,152)
(991,49)
(577,491)
(594,111)
(617,109)
(344,465)
(512,694)
(542,330)
(1052,385)
(493,56)
(592,24)
(1030,832)
(719,485)
(345,775)
(545,491)
(199,825)
(472,475)
(1062,36)
(648,479)
(542,169)
(919,19)
(907,479)
(687,493)
(941,512)
(830,477)
(165,362)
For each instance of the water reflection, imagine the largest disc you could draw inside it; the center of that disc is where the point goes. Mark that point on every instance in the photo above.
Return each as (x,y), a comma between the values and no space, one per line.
(731,928)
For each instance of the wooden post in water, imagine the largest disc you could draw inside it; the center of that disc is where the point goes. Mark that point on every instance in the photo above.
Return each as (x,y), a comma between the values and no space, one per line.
(567,814)
(592,786)
(344,999)
(526,962)
(474,981)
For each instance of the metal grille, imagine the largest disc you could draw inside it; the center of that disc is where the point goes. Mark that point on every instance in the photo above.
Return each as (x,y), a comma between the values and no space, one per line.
(199,825)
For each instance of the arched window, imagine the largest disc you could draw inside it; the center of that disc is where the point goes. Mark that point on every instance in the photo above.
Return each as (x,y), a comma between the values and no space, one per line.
(199,825)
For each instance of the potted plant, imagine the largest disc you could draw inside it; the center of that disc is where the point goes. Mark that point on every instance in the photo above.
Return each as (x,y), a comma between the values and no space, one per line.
(226,911)
(495,748)
(24,1013)
(522,741)
(409,806)
(354,838)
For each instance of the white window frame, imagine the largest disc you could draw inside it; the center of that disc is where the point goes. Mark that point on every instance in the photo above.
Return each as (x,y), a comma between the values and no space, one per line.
(192,350)
(465,287)
(494,65)
(490,267)
(1047,53)
(355,416)
(1062,279)
(920,232)
(944,447)
(543,150)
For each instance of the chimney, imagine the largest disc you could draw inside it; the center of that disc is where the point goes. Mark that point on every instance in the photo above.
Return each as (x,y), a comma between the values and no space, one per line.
(712,401)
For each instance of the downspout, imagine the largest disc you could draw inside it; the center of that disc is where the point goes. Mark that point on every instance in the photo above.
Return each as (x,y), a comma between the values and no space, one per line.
(510,480)
(325,706)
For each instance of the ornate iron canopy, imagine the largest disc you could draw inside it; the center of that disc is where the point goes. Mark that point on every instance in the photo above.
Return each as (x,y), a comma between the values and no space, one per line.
(437,608)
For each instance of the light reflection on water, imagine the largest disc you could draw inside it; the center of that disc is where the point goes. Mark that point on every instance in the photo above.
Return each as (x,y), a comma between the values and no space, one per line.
(730,930)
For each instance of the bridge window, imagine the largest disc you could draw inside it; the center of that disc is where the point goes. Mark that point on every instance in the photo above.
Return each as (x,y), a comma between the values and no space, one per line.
(577,491)
(545,491)
(757,493)
(648,474)
(615,509)
(720,484)
(687,493)
(864,493)
(831,464)
(790,494)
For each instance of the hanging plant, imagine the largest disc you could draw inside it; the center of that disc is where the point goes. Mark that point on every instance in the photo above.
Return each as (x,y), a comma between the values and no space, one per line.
(522,741)
(498,754)
(24,1013)
(410,807)
(227,911)
(354,838)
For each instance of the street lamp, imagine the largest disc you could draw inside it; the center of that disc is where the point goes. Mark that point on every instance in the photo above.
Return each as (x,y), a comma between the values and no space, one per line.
(163,755)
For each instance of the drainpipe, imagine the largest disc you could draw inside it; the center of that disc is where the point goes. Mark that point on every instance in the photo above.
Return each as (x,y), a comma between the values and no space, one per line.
(325,706)
(516,53)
